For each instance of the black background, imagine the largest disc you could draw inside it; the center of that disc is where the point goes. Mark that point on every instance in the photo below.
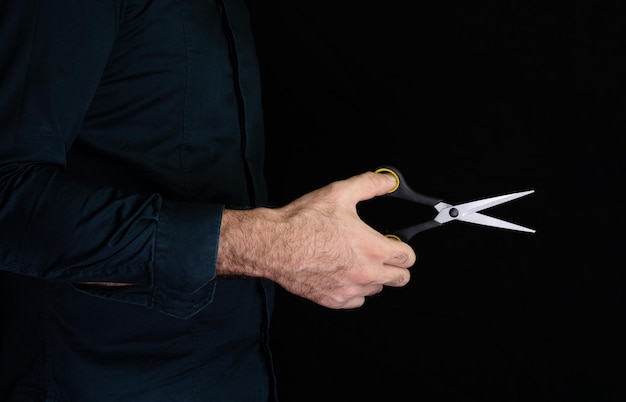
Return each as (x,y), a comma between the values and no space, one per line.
(468,100)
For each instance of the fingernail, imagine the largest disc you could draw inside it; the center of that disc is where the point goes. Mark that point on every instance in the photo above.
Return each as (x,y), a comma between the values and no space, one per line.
(391,178)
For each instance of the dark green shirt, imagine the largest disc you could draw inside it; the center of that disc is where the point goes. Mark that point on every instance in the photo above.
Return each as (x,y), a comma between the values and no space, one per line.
(126,126)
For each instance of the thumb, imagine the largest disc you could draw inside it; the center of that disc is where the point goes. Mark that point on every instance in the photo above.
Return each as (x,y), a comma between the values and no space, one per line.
(368,185)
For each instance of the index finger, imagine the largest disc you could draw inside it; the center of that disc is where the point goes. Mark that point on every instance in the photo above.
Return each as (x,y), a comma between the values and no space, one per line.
(400,254)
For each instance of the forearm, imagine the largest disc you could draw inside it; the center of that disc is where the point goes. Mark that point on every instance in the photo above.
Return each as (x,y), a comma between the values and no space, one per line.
(254,243)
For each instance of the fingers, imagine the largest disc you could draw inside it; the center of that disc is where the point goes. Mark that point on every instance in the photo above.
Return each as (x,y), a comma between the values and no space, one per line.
(400,257)
(397,277)
(354,301)
(393,275)
(371,290)
(400,254)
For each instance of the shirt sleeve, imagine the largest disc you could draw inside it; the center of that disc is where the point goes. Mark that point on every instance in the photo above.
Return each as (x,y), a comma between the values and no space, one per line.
(60,228)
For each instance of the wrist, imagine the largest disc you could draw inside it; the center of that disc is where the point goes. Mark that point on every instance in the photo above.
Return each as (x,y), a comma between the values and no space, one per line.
(247,240)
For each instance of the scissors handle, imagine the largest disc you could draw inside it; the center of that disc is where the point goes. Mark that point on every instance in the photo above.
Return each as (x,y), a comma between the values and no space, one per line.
(403,191)
(407,233)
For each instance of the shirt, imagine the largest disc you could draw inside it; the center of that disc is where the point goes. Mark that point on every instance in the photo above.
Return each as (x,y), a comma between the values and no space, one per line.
(126,127)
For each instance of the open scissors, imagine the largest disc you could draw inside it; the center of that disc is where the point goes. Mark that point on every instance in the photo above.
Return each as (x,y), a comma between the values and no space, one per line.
(466,212)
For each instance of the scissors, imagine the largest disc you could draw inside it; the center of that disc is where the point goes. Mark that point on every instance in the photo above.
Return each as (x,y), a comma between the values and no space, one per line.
(466,212)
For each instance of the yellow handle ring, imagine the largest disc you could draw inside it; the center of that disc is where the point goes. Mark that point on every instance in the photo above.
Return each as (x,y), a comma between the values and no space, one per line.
(391,236)
(387,170)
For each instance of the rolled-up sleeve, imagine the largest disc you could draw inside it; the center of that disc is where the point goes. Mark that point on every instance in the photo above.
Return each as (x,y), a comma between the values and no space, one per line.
(66,227)
(185,258)
(179,276)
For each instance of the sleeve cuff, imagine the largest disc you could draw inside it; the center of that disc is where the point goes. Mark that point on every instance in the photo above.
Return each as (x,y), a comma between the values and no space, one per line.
(183,264)
(185,257)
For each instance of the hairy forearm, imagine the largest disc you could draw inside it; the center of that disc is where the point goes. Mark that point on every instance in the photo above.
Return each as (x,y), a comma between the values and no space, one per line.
(254,243)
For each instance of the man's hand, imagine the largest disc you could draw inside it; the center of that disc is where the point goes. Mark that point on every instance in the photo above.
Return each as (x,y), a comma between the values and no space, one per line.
(317,247)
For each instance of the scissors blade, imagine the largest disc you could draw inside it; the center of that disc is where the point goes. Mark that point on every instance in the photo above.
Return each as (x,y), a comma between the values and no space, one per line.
(486,220)
(468,212)
(475,206)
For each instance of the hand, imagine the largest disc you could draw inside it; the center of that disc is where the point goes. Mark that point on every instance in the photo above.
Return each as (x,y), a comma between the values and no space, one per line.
(317,247)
